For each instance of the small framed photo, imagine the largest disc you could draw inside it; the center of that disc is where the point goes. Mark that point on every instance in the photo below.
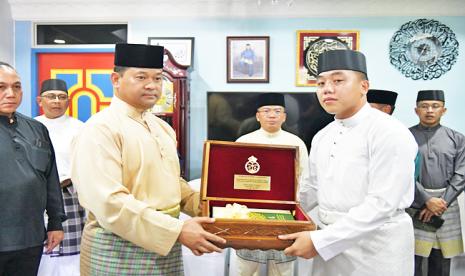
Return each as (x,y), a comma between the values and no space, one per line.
(312,43)
(181,48)
(247,59)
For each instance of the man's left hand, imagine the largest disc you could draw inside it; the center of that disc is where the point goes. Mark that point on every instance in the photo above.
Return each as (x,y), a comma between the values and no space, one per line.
(53,239)
(302,246)
(425,215)
(65,183)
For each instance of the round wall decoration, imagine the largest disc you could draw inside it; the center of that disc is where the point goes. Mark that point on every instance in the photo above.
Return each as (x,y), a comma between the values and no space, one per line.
(423,49)
(316,47)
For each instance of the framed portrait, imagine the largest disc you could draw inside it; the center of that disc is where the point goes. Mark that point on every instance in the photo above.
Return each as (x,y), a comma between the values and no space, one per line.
(165,105)
(181,48)
(247,59)
(312,43)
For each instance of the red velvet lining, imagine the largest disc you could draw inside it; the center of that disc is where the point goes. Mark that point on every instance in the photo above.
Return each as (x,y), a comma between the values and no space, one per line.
(299,214)
(227,160)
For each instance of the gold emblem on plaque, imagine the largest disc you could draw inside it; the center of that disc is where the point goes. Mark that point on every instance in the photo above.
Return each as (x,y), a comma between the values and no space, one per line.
(252,165)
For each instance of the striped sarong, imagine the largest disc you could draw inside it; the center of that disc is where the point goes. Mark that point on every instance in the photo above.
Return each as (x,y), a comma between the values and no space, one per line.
(448,238)
(104,253)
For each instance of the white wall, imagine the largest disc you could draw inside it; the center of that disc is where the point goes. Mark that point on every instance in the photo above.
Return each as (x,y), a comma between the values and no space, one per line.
(209,71)
(6,33)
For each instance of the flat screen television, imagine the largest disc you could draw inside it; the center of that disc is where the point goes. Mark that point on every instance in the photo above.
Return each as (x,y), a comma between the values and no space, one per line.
(232,114)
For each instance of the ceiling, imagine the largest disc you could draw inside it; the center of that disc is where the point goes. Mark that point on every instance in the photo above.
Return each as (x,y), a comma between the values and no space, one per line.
(124,10)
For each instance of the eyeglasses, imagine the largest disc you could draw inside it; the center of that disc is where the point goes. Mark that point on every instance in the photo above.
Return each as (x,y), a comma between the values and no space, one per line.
(51,97)
(267,112)
(432,106)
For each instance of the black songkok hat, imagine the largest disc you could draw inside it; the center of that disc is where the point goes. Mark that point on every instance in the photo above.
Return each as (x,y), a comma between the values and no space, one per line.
(342,60)
(430,95)
(53,84)
(270,99)
(139,55)
(382,96)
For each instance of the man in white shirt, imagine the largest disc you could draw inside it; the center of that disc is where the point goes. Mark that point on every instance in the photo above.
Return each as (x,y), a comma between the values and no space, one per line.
(271,114)
(362,178)
(383,100)
(53,99)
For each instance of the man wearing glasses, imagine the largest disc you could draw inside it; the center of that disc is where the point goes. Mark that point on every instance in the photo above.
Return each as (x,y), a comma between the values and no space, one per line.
(441,181)
(53,99)
(271,115)
(28,184)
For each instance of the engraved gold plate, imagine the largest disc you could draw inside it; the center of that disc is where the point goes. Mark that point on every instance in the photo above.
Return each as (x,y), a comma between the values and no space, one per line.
(252,182)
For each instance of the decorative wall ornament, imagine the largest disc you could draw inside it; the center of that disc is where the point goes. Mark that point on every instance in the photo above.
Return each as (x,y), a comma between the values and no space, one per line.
(423,49)
(312,43)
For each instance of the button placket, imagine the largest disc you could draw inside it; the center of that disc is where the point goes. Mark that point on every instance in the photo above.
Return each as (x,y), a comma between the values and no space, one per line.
(156,137)
(335,142)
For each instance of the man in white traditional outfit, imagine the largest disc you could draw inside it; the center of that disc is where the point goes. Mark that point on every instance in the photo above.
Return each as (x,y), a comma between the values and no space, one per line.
(271,114)
(438,188)
(53,99)
(126,170)
(362,178)
(383,100)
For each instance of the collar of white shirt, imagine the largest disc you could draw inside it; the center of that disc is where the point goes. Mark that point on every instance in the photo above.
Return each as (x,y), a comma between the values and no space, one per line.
(269,134)
(357,118)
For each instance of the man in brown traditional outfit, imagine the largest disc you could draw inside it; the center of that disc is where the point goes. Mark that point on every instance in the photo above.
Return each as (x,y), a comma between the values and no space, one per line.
(126,170)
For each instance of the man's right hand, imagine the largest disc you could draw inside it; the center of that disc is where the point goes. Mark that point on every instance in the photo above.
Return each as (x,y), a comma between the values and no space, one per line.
(302,246)
(199,241)
(425,215)
(436,205)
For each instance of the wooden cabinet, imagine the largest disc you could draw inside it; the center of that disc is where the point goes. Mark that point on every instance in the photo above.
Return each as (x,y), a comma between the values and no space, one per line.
(173,107)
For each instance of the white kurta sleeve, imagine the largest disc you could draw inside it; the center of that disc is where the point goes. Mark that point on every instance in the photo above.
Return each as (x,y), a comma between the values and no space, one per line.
(308,185)
(303,165)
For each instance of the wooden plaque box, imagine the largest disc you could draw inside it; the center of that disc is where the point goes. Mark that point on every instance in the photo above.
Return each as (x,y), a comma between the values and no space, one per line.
(223,162)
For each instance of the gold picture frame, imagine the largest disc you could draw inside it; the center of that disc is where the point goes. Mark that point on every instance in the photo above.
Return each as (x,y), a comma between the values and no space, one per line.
(311,43)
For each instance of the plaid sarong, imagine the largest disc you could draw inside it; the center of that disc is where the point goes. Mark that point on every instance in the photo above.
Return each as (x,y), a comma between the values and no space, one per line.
(104,253)
(73,226)
(448,238)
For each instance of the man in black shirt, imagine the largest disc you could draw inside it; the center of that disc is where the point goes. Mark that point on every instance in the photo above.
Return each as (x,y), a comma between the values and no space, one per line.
(29,184)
